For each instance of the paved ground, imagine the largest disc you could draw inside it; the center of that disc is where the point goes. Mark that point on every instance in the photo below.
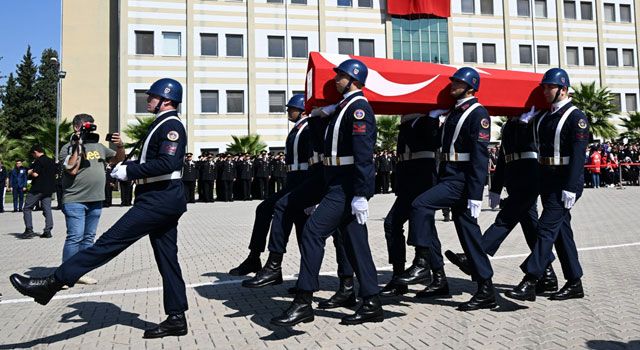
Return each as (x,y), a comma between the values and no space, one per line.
(213,238)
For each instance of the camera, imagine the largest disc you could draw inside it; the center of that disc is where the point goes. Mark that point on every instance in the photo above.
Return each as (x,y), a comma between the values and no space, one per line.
(87,133)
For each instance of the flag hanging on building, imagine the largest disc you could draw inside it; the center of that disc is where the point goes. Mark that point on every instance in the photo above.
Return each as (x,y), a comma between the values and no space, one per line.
(438,8)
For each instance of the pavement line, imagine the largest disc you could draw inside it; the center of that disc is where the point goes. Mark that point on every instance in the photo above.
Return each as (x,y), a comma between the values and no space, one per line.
(286,278)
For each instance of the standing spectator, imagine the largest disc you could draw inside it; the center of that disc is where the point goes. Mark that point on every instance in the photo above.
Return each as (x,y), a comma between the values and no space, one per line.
(189,177)
(43,185)
(3,187)
(279,172)
(384,171)
(126,192)
(18,185)
(59,185)
(110,185)
(596,160)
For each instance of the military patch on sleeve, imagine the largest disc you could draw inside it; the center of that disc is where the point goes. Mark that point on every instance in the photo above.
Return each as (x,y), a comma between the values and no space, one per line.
(359,114)
(169,148)
(359,128)
(484,136)
(485,123)
(582,124)
(173,135)
(582,136)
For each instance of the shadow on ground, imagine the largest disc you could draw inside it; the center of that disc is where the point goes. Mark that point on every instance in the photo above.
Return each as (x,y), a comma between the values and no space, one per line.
(613,345)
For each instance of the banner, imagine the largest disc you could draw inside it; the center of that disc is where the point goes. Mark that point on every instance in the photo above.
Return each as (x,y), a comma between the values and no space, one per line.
(438,8)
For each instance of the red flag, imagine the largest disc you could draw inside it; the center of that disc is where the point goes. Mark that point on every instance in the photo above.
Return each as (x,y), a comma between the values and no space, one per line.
(438,8)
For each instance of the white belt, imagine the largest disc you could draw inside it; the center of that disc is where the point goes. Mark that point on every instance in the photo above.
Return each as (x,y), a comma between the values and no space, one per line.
(173,176)
(522,155)
(298,166)
(316,158)
(455,157)
(417,155)
(338,161)
(554,161)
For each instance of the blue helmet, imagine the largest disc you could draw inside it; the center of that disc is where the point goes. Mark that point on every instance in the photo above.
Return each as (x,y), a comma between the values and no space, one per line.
(467,75)
(353,68)
(556,76)
(296,101)
(167,88)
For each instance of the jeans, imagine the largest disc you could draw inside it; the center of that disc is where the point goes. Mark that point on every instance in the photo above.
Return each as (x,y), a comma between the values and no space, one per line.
(18,198)
(596,180)
(82,222)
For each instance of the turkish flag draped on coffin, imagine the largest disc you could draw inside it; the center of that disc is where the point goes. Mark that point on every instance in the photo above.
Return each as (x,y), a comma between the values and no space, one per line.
(438,8)
(403,87)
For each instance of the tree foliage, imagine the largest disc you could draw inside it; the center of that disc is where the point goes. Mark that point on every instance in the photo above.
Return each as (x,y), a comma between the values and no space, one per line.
(632,126)
(45,135)
(137,131)
(387,127)
(47,84)
(246,144)
(597,104)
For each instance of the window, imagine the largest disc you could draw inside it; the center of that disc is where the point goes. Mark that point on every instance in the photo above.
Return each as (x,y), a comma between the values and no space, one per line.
(345,46)
(572,56)
(489,53)
(345,3)
(616,102)
(276,46)
(526,55)
(366,47)
(276,101)
(486,7)
(144,43)
(365,3)
(586,10)
(141,101)
(625,13)
(589,54)
(469,52)
(209,101)
(612,57)
(610,12)
(627,58)
(544,56)
(300,2)
(235,45)
(299,47)
(274,1)
(541,8)
(235,101)
(468,6)
(171,43)
(208,44)
(631,102)
(421,39)
(570,9)
(523,8)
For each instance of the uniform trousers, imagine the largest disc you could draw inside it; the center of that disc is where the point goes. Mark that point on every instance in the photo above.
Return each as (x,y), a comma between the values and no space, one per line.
(190,191)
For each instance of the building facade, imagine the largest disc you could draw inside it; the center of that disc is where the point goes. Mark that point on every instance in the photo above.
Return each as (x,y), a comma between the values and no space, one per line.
(240,60)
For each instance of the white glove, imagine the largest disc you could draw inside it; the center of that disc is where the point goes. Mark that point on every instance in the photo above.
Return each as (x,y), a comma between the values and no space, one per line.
(119,172)
(360,208)
(569,199)
(310,210)
(494,200)
(525,117)
(474,207)
(437,112)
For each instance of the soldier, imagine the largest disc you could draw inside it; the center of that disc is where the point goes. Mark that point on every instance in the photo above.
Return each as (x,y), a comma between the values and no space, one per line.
(208,171)
(463,170)
(349,175)
(189,177)
(563,135)
(384,171)
(279,172)
(416,173)
(228,175)
(261,167)
(202,159)
(246,175)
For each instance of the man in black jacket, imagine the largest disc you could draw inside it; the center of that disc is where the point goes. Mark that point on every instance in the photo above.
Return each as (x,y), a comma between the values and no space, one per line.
(189,177)
(43,185)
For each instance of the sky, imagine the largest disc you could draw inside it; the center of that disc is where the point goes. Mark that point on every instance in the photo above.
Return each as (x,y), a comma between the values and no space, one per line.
(24,23)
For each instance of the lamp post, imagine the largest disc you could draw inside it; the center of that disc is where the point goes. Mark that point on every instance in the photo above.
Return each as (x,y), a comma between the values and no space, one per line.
(61,75)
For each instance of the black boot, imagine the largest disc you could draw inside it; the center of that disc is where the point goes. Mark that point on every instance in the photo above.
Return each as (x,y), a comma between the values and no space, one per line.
(46,234)
(548,282)
(299,311)
(460,260)
(271,273)
(28,233)
(345,296)
(393,288)
(485,298)
(40,289)
(571,290)
(174,325)
(250,264)
(419,271)
(525,291)
(438,287)
(369,311)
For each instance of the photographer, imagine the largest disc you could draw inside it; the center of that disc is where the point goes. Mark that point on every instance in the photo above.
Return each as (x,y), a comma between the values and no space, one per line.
(84,184)
(43,176)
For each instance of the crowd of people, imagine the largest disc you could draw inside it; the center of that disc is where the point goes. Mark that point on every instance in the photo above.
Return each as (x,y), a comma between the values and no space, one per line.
(610,164)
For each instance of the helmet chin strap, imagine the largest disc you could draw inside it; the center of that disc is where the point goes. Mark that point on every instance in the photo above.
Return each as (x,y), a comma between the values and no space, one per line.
(348,86)
(555,99)
(463,93)
(156,109)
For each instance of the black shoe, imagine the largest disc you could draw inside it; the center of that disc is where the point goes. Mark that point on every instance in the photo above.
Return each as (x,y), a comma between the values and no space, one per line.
(393,289)
(270,275)
(46,234)
(571,290)
(292,290)
(345,296)
(485,298)
(299,311)
(460,260)
(438,287)
(548,282)
(525,291)
(369,311)
(418,272)
(174,325)
(40,289)
(28,233)
(249,265)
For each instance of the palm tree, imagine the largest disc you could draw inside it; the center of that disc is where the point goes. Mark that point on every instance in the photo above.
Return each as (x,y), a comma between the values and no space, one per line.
(597,105)
(137,131)
(45,135)
(387,132)
(246,144)
(500,123)
(632,124)
(10,149)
